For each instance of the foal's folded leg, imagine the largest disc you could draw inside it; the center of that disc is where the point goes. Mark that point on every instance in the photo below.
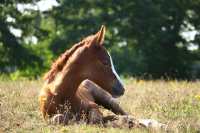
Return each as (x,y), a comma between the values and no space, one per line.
(102,97)
(88,105)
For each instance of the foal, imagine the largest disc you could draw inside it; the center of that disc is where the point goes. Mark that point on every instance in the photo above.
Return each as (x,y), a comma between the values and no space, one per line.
(84,77)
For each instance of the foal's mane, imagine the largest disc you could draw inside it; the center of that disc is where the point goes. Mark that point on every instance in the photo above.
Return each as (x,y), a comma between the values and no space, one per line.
(58,64)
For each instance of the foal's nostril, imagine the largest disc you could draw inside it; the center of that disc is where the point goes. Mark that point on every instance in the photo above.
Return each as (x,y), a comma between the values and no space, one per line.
(118,89)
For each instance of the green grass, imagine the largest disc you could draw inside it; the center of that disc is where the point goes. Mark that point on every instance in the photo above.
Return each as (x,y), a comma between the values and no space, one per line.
(172,102)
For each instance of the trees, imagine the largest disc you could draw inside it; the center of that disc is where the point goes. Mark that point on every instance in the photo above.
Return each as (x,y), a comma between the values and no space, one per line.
(159,27)
(148,32)
(13,52)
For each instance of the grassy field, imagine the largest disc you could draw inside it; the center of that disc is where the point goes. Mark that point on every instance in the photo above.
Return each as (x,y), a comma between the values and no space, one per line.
(172,102)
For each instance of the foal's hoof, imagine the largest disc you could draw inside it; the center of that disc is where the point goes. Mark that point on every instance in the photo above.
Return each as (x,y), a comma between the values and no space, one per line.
(95,117)
(59,119)
(152,124)
(123,121)
(130,121)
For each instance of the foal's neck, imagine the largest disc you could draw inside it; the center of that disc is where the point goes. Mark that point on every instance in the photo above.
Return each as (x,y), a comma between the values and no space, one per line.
(67,82)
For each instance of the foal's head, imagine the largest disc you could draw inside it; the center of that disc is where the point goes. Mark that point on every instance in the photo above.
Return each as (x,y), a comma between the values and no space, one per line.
(95,63)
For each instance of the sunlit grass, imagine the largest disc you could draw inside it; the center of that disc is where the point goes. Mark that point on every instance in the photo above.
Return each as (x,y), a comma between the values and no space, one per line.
(176,103)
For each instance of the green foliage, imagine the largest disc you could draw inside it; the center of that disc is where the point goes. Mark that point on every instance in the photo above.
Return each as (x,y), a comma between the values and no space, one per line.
(15,56)
(144,37)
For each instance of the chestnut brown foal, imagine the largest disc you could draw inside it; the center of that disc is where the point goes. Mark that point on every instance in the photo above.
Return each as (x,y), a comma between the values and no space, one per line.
(84,78)
(80,80)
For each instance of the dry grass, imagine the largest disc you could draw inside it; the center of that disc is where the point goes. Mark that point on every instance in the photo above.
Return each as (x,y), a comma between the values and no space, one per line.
(172,102)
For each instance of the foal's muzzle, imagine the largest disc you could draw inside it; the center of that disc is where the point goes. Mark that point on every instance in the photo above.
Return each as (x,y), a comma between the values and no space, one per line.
(117,89)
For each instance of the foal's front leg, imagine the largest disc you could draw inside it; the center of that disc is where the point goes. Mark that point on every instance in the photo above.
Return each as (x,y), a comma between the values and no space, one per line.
(102,97)
(88,105)
(94,94)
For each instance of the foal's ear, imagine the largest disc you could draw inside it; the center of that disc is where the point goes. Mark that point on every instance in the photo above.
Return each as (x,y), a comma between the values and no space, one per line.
(99,36)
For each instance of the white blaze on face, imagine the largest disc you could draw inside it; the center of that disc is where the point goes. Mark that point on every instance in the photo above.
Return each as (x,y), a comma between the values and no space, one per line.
(113,69)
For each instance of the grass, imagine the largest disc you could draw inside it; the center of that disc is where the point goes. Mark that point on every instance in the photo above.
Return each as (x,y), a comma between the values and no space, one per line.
(176,103)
